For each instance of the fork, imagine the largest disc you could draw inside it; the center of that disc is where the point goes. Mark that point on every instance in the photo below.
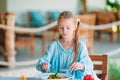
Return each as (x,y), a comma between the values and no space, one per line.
(53,70)
(65,71)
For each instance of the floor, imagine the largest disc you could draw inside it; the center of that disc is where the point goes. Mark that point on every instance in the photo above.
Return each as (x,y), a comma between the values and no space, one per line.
(25,64)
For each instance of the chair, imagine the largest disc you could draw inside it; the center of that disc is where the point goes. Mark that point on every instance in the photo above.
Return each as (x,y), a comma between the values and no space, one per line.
(28,39)
(50,35)
(2,37)
(105,18)
(118,18)
(87,35)
(118,14)
(24,39)
(7,39)
(100,65)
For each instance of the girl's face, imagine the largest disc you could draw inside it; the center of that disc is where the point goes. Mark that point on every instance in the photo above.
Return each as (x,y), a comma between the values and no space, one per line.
(66,28)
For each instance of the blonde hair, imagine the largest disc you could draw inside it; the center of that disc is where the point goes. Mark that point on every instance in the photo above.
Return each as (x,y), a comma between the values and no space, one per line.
(69,15)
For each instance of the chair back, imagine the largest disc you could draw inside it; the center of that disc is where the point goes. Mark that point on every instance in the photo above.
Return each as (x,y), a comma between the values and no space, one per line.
(105,17)
(87,35)
(118,14)
(2,21)
(100,65)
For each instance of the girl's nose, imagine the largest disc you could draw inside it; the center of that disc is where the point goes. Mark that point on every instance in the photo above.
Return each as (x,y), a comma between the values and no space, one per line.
(64,30)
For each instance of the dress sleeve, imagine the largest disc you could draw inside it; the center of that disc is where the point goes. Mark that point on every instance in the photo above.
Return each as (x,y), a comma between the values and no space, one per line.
(84,59)
(46,58)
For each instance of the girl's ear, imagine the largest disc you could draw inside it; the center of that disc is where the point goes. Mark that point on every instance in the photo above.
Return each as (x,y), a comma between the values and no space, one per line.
(76,26)
(77,23)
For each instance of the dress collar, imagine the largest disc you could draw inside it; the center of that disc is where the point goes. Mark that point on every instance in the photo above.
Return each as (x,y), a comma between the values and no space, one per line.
(60,45)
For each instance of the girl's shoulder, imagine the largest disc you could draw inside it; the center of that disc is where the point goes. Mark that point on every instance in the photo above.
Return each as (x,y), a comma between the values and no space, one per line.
(54,43)
(81,43)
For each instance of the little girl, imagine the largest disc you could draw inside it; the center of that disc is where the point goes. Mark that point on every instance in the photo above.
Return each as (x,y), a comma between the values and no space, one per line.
(67,52)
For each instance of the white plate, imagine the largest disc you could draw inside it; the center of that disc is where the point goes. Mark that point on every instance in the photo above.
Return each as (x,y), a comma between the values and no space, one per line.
(44,76)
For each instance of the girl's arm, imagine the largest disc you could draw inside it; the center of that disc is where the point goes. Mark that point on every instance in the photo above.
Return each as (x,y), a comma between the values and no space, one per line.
(83,58)
(46,58)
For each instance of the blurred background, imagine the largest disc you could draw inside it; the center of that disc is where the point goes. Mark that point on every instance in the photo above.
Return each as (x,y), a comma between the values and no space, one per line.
(27,47)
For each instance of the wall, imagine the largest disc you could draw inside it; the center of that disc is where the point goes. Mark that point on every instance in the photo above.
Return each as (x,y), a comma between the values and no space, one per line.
(96,4)
(22,7)
(3,5)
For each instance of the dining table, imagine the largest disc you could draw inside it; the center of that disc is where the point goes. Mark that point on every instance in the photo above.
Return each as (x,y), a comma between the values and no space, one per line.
(16,78)
(38,76)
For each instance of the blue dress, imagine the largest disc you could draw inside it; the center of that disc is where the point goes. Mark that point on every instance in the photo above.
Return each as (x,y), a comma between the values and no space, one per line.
(59,58)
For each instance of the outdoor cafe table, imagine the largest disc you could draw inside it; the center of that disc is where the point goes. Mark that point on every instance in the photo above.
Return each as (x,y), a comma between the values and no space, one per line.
(16,78)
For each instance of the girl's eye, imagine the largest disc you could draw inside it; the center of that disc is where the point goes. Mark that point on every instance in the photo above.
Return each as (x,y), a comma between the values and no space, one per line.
(61,28)
(68,28)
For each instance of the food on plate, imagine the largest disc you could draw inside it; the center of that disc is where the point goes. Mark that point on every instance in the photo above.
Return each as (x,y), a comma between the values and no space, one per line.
(56,76)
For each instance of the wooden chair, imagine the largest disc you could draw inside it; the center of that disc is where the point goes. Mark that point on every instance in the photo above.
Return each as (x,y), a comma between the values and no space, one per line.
(105,18)
(50,35)
(100,65)
(2,37)
(87,35)
(21,39)
(7,39)
(118,14)
(25,40)
(118,18)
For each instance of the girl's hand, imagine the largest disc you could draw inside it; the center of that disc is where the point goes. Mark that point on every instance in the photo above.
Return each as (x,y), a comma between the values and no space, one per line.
(44,66)
(76,66)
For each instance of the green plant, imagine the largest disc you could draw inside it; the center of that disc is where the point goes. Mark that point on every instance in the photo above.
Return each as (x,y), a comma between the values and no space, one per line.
(114,72)
(112,5)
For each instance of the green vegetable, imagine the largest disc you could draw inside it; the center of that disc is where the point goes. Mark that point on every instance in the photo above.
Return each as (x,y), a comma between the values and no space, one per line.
(56,75)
